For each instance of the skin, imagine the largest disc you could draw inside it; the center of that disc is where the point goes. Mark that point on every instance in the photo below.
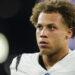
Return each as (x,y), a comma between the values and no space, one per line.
(54,35)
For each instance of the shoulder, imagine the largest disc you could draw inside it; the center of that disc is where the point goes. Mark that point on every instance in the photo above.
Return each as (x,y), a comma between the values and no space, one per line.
(72,54)
(70,58)
(25,60)
(29,57)
(69,61)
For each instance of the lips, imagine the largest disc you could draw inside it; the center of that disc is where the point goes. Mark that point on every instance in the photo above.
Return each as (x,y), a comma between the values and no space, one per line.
(43,43)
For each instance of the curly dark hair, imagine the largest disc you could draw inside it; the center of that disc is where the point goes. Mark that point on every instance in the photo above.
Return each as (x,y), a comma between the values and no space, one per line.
(66,9)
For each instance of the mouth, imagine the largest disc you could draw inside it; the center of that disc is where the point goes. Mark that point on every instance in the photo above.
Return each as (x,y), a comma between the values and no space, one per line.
(43,44)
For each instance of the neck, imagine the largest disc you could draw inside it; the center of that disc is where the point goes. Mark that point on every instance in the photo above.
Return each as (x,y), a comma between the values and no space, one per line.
(49,61)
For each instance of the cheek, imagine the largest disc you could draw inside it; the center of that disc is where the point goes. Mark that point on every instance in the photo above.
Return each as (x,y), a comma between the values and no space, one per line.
(56,38)
(59,40)
(37,35)
(58,35)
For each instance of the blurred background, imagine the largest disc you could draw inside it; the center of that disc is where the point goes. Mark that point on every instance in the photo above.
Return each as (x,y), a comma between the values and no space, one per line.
(17,29)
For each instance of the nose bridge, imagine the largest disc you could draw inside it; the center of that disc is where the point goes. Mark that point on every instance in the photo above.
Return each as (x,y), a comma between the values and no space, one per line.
(44,31)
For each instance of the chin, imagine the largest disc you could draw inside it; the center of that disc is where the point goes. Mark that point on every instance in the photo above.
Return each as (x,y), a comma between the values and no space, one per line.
(47,53)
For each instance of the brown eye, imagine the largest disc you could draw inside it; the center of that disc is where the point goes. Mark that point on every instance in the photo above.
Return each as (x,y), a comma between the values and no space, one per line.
(39,26)
(51,27)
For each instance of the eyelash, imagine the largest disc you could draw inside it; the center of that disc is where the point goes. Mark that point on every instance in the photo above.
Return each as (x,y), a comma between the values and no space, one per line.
(39,26)
(50,27)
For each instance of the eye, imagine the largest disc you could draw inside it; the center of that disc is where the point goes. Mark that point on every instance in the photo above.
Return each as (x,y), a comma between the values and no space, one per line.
(51,27)
(39,26)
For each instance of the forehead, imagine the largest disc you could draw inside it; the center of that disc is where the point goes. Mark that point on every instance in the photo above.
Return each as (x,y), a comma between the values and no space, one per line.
(49,17)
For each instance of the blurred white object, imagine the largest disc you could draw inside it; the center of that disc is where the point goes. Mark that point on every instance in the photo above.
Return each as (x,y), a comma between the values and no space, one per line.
(4,48)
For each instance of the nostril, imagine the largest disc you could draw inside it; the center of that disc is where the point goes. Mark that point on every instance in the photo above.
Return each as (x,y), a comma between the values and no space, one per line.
(43,36)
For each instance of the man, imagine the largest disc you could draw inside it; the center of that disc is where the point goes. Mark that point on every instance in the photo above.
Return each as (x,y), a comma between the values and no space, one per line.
(55,25)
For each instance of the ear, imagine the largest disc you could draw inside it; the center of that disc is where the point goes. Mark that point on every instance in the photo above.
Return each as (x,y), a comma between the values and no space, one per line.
(69,33)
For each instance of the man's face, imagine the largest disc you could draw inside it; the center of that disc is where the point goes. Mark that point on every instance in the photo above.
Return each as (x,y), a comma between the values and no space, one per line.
(51,33)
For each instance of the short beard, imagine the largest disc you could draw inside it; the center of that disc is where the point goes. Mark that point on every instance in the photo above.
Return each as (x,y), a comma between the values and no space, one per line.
(50,54)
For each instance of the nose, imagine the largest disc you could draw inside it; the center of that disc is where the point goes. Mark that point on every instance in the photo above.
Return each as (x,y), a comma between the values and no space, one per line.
(43,33)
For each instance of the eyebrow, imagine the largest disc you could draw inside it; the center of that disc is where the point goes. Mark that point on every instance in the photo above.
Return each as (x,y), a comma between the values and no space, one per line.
(47,24)
(50,24)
